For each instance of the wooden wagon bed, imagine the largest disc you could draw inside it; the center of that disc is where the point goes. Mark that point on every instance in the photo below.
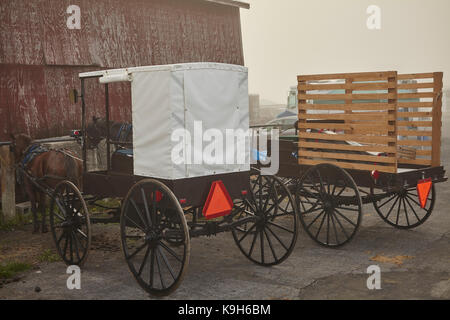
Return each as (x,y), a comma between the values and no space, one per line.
(396,125)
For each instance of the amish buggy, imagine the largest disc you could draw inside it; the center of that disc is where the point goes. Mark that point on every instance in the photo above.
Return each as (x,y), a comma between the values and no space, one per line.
(166,199)
(355,148)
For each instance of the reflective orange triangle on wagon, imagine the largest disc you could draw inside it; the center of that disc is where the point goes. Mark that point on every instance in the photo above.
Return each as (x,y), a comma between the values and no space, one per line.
(423,191)
(219,202)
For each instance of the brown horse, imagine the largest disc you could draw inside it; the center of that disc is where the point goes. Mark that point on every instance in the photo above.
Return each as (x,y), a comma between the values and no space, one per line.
(49,168)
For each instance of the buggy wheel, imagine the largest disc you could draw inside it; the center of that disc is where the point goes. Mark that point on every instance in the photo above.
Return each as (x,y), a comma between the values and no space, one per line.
(270,239)
(329,205)
(155,237)
(70,224)
(402,209)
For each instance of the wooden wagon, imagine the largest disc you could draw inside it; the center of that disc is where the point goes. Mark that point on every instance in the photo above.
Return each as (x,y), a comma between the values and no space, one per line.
(374,139)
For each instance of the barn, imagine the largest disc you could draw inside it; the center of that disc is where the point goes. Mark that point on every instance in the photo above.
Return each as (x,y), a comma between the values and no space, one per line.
(45,44)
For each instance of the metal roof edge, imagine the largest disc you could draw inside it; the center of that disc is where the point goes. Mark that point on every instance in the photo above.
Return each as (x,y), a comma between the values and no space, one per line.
(234,3)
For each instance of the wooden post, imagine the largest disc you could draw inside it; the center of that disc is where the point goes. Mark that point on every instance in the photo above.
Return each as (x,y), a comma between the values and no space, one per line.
(8,184)
(393,81)
(348,81)
(301,111)
(437,120)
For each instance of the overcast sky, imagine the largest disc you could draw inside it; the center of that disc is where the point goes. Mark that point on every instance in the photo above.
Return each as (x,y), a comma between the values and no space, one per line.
(284,38)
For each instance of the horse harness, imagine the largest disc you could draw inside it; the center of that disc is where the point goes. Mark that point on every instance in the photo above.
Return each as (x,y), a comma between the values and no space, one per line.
(30,154)
(124,132)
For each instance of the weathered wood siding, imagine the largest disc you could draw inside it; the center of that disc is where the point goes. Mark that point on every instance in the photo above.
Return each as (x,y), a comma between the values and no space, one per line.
(40,58)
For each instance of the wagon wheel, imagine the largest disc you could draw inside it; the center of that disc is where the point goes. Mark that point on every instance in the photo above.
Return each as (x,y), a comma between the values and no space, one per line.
(402,209)
(329,205)
(151,222)
(270,239)
(70,224)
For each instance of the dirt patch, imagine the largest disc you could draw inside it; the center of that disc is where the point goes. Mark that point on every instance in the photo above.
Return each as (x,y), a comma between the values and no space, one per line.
(21,245)
(398,260)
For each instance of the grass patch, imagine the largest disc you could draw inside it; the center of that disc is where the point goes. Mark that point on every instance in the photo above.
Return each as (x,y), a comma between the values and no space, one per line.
(10,270)
(48,256)
(13,224)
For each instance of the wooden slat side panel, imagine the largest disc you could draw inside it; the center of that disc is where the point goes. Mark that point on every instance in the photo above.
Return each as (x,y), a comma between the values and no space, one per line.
(364,124)
(420,107)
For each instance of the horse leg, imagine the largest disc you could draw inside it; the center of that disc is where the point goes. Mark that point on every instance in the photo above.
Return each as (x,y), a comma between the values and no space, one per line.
(32,196)
(42,206)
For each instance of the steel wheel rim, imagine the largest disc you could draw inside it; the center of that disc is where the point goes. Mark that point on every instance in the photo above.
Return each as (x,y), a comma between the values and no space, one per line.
(330,210)
(394,210)
(157,265)
(70,224)
(265,241)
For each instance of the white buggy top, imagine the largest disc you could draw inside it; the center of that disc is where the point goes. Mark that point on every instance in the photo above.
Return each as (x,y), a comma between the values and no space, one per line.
(186,118)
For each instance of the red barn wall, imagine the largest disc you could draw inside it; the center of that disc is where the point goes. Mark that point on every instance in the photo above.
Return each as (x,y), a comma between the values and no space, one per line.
(40,58)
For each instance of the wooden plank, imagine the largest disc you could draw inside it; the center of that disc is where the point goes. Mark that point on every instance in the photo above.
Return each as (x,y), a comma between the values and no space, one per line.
(345,156)
(346,147)
(422,162)
(415,104)
(415,133)
(437,120)
(356,127)
(420,124)
(416,95)
(8,184)
(368,96)
(375,116)
(345,107)
(348,137)
(423,152)
(349,165)
(361,76)
(423,85)
(414,143)
(415,114)
(412,76)
(346,86)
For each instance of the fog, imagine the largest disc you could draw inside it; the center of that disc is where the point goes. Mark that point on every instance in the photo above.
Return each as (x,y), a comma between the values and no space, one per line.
(284,38)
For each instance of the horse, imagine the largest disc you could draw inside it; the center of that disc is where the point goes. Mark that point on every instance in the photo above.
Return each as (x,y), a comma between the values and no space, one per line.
(48,167)
(96,131)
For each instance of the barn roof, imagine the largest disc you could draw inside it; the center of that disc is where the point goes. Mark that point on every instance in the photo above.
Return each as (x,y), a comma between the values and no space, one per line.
(234,3)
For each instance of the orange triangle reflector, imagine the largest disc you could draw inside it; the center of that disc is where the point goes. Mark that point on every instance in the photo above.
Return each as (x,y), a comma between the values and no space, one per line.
(423,191)
(218,203)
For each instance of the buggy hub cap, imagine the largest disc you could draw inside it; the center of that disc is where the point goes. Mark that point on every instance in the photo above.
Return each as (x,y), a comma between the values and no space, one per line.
(152,238)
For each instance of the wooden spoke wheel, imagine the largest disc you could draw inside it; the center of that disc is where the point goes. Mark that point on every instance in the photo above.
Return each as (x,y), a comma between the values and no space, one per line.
(271,237)
(70,224)
(402,209)
(155,237)
(329,205)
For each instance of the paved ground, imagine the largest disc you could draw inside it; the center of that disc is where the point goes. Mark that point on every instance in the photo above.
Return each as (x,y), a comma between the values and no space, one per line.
(415,265)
